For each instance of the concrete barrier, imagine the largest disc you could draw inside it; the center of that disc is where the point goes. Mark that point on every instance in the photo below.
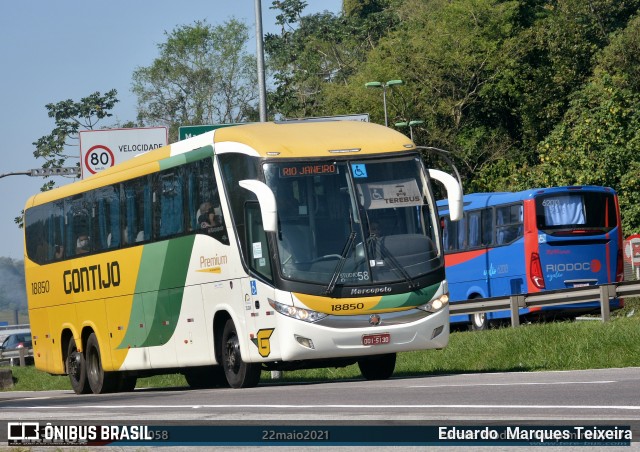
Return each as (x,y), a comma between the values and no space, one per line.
(6,378)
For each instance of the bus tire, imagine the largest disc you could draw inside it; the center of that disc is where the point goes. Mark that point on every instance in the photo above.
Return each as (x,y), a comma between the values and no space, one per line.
(77,369)
(479,321)
(238,373)
(206,377)
(377,367)
(100,381)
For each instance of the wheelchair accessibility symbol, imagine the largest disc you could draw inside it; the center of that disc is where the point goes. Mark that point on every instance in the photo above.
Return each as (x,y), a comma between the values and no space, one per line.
(377,194)
(359,170)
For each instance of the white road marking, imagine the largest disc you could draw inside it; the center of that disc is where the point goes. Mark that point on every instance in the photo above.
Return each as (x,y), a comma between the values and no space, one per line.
(518,384)
(421,407)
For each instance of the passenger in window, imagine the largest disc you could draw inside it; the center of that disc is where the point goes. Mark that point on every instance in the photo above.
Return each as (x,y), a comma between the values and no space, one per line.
(210,221)
(82,244)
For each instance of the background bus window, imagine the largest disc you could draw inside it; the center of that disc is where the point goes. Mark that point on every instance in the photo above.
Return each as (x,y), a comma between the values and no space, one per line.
(509,226)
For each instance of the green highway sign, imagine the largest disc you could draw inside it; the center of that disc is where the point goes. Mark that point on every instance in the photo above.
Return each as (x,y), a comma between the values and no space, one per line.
(185,132)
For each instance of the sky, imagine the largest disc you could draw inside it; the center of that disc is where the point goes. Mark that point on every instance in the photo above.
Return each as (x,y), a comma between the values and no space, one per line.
(68,49)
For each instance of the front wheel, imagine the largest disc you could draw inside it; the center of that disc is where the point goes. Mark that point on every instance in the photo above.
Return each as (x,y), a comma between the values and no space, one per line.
(239,374)
(77,369)
(100,381)
(377,367)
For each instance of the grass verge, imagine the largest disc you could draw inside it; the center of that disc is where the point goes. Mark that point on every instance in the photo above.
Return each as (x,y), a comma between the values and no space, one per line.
(568,345)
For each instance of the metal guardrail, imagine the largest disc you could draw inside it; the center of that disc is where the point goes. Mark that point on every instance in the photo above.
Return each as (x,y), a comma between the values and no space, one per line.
(17,357)
(24,326)
(513,303)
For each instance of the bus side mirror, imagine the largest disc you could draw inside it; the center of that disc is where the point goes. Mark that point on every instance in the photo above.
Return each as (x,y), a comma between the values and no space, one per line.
(454,192)
(267,202)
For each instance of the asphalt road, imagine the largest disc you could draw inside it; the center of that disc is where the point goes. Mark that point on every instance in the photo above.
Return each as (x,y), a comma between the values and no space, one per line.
(592,397)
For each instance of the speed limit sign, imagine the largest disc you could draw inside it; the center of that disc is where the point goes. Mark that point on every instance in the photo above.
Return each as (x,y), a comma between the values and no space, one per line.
(98,158)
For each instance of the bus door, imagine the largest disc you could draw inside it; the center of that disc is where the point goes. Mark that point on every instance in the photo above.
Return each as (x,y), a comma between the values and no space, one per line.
(577,238)
(506,270)
(259,316)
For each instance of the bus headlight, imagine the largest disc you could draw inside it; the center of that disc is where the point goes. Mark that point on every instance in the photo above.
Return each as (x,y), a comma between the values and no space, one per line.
(436,304)
(306,315)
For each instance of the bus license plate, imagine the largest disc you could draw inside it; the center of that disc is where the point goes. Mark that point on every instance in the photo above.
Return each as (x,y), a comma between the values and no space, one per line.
(376,339)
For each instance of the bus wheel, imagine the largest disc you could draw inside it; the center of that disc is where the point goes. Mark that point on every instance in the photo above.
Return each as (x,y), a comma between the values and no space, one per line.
(76,369)
(479,321)
(378,367)
(100,381)
(239,374)
(206,377)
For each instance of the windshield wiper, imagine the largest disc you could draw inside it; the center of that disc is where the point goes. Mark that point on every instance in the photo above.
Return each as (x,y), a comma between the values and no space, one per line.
(343,258)
(386,255)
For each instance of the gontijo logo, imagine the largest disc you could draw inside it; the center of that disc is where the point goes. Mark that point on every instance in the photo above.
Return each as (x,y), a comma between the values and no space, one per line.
(594,266)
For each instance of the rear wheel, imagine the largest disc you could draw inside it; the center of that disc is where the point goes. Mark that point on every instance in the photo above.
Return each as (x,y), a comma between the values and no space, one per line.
(238,373)
(377,367)
(479,321)
(100,381)
(76,369)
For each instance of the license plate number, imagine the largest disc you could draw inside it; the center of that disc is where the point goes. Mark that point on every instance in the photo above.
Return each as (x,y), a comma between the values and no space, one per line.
(376,339)
(582,284)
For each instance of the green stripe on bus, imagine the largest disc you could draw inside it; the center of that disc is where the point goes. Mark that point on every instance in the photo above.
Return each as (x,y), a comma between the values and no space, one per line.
(187,157)
(159,289)
(406,300)
(168,300)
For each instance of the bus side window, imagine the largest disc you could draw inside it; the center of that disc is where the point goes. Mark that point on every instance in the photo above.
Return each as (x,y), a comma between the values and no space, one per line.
(107,224)
(487,227)
(508,223)
(475,229)
(203,207)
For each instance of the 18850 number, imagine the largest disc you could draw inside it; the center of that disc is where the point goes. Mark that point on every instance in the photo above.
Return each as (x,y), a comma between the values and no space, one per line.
(39,287)
(347,307)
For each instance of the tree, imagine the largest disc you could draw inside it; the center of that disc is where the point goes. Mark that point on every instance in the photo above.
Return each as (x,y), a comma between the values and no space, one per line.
(598,139)
(70,118)
(320,50)
(203,76)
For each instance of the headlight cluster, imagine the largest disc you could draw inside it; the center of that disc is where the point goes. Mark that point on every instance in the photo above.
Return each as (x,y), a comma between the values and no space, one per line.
(305,315)
(436,304)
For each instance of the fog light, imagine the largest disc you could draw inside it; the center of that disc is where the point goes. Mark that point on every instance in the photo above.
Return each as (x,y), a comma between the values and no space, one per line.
(437,331)
(304,341)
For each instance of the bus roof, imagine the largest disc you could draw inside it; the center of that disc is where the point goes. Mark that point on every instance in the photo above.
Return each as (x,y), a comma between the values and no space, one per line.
(303,139)
(289,139)
(478,200)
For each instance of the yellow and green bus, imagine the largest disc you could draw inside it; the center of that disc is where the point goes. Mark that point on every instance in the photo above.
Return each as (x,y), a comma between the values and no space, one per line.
(265,246)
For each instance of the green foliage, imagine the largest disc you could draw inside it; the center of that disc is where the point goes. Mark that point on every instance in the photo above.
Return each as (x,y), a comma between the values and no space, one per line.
(598,139)
(317,51)
(70,117)
(203,76)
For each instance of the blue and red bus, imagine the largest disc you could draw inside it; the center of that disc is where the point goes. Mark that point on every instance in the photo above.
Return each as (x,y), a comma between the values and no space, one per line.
(529,241)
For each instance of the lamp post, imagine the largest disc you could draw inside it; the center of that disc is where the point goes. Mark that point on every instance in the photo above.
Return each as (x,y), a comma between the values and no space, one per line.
(262,90)
(410,124)
(384,86)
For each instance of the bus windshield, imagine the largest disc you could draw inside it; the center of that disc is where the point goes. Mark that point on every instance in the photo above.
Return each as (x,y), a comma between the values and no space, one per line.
(354,222)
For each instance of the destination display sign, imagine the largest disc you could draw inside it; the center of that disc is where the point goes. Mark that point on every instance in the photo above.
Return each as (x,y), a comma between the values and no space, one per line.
(308,169)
